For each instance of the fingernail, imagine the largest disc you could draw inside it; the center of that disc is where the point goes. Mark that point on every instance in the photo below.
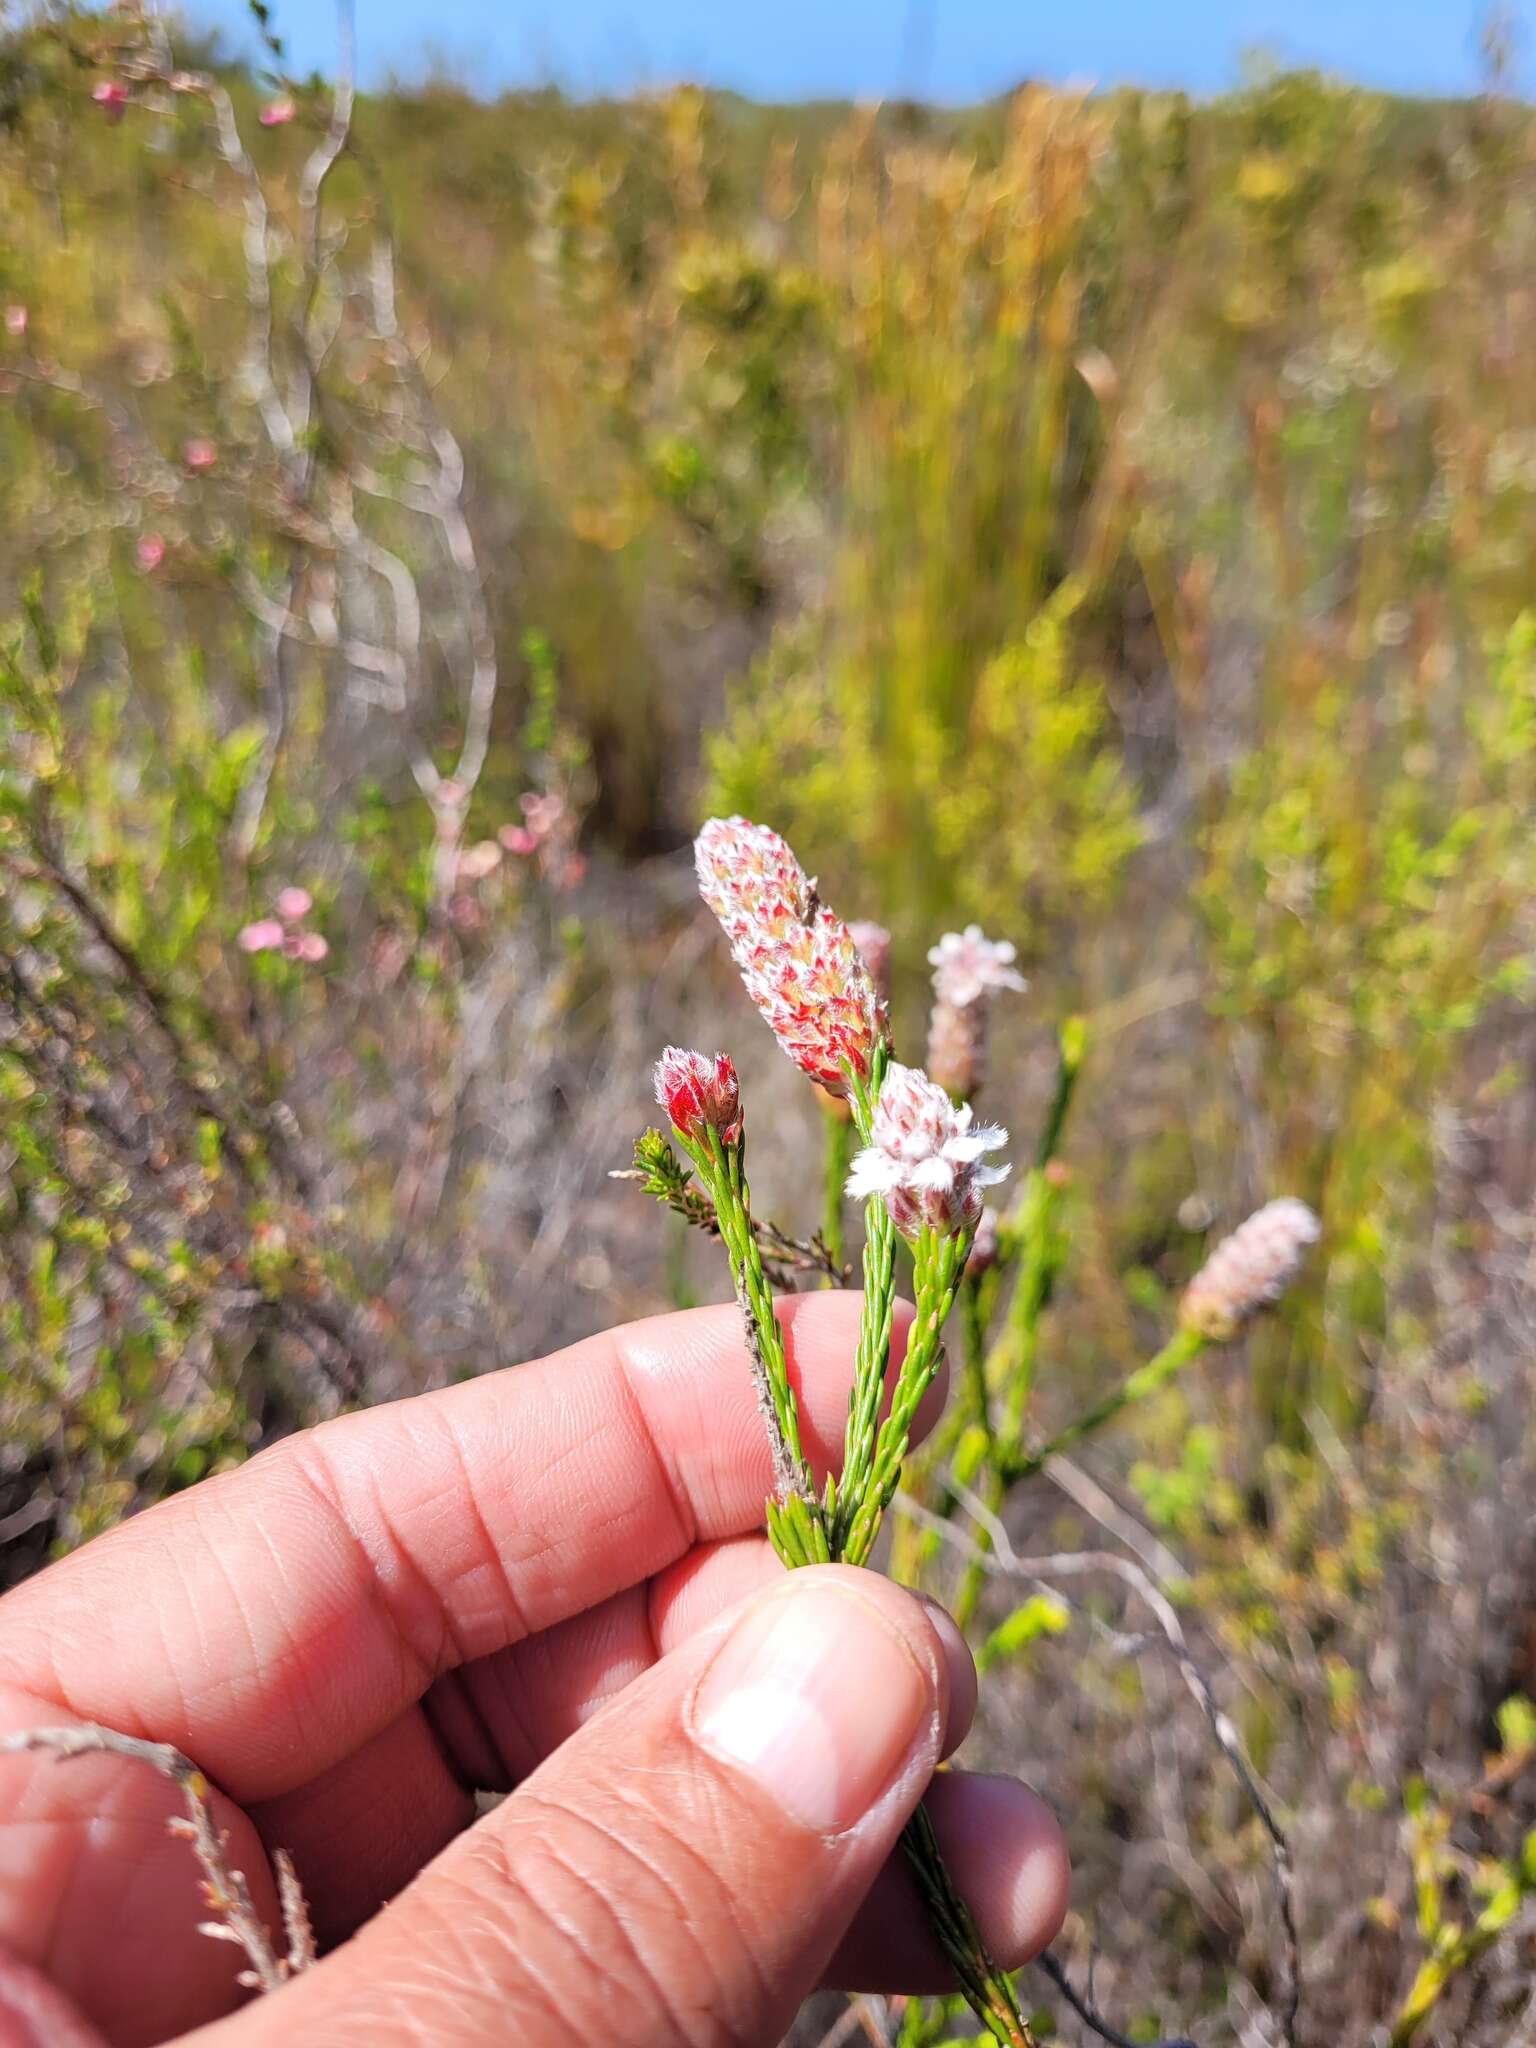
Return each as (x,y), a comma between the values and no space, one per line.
(820,1699)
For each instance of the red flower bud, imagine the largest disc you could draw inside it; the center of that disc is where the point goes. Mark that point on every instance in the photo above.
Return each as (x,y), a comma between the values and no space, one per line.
(699,1092)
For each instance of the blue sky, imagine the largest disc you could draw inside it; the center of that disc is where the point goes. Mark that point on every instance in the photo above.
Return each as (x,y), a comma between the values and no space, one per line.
(943,49)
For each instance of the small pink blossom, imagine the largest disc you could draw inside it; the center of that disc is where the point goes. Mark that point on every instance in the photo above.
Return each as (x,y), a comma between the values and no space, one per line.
(968,966)
(112,95)
(518,839)
(543,811)
(260,937)
(306,946)
(16,321)
(699,1092)
(293,903)
(478,861)
(149,552)
(199,454)
(925,1157)
(277,113)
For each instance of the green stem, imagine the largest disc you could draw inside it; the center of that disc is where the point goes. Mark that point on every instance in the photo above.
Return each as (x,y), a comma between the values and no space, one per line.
(837,1155)
(874,1346)
(1148,1379)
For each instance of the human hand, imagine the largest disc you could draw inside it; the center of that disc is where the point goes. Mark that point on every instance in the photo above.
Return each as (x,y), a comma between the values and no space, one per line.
(550,1580)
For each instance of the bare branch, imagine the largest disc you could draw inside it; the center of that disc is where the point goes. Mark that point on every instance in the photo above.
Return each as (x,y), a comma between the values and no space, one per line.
(225,1890)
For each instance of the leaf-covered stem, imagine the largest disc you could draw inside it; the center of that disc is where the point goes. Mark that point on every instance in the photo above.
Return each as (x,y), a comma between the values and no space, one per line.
(1148,1379)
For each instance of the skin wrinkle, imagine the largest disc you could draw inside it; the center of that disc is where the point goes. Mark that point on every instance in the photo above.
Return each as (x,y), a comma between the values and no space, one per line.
(594,1952)
(708,1874)
(418,1667)
(434,1592)
(685,1526)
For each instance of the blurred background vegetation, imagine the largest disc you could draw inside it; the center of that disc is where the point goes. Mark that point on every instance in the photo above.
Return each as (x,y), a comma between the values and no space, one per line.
(1109,519)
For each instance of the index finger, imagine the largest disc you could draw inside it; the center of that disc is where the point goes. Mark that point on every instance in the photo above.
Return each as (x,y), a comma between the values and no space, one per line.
(268,1621)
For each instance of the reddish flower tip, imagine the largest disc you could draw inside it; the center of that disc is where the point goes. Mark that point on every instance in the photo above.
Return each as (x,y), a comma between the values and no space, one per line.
(277,113)
(699,1092)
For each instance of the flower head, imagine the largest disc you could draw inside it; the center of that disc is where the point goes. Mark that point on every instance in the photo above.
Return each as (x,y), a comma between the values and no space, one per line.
(699,1092)
(149,552)
(16,320)
(800,963)
(112,95)
(968,966)
(1249,1270)
(199,453)
(925,1157)
(260,937)
(277,113)
(294,903)
(750,878)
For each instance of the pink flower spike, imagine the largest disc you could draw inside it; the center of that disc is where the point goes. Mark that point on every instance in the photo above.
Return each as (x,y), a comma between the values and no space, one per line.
(199,454)
(1250,1269)
(294,903)
(699,1092)
(968,966)
(277,113)
(16,321)
(799,962)
(149,552)
(260,937)
(306,946)
(925,1157)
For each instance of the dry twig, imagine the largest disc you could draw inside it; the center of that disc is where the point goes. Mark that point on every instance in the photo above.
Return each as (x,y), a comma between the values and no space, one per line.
(225,1890)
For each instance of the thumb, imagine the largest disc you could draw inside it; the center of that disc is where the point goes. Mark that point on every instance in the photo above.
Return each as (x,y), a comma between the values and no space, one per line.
(681,1869)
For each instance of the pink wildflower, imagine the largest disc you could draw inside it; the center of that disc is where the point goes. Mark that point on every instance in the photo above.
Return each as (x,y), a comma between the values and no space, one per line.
(518,839)
(925,1157)
(478,861)
(799,962)
(149,552)
(294,903)
(968,970)
(111,95)
(306,946)
(1250,1269)
(277,113)
(16,321)
(699,1092)
(260,937)
(199,454)
(968,966)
